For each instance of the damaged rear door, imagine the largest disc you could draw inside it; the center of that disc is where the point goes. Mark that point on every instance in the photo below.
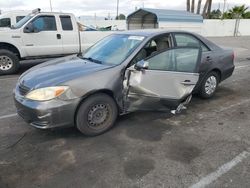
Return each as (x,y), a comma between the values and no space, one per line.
(162,81)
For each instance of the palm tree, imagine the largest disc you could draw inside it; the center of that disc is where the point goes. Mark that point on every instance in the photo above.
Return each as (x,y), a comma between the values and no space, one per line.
(188,5)
(207,9)
(192,7)
(204,13)
(246,15)
(237,12)
(198,7)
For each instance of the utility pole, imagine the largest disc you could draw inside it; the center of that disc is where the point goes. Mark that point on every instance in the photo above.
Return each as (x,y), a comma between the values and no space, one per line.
(117,10)
(50,5)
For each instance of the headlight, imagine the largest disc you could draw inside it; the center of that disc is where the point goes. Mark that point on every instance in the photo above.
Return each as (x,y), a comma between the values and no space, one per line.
(47,93)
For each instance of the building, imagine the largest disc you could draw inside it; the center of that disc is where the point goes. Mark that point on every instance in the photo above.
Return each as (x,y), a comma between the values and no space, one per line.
(147,18)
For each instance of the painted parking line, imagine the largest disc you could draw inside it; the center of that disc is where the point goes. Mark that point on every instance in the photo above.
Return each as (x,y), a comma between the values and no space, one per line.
(8,116)
(242,66)
(221,170)
(245,101)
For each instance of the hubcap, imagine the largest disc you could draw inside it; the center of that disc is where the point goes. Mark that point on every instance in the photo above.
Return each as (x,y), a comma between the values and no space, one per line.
(5,63)
(98,115)
(210,85)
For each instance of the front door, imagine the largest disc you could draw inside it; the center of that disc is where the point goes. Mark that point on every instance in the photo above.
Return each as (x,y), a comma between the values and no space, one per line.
(168,78)
(45,39)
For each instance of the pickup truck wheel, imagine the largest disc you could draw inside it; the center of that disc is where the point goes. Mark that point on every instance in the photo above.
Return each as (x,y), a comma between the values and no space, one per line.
(9,62)
(209,85)
(96,115)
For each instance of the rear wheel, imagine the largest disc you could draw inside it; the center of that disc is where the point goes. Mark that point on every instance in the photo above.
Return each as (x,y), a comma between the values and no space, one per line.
(96,114)
(9,62)
(209,85)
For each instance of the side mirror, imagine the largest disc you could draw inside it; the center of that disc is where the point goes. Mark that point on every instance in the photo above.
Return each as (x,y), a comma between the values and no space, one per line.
(140,65)
(29,28)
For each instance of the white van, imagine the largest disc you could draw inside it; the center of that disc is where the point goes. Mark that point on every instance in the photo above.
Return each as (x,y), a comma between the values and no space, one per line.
(10,18)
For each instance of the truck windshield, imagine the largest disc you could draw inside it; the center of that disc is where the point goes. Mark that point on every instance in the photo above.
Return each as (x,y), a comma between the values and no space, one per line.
(114,49)
(22,22)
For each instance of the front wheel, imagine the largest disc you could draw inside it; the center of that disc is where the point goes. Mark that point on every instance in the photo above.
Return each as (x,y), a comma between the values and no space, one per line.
(9,62)
(209,85)
(96,114)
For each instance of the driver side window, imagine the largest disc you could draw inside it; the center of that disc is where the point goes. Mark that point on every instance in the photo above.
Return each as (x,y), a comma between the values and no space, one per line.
(44,23)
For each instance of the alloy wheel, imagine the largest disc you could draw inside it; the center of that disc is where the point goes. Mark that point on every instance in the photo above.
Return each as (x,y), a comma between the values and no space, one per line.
(210,85)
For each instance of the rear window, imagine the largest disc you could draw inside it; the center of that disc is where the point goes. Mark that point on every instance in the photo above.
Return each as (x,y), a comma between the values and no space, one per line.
(188,40)
(66,23)
(5,22)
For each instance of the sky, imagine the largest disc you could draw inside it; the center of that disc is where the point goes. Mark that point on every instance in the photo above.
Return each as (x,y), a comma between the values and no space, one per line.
(103,8)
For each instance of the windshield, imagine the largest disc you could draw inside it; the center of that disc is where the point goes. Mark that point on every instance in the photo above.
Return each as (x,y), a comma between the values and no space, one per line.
(114,49)
(22,22)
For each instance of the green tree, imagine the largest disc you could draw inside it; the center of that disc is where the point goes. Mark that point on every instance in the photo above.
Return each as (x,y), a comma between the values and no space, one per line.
(227,15)
(246,15)
(121,17)
(215,14)
(237,12)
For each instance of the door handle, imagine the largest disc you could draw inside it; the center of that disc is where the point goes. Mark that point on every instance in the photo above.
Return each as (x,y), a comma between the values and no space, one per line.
(58,36)
(188,82)
(209,58)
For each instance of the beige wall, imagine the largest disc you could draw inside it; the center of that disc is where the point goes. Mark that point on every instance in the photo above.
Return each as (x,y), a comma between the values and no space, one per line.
(207,28)
(225,27)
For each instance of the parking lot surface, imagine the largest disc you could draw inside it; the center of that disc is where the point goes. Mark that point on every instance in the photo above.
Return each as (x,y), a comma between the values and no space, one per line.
(206,145)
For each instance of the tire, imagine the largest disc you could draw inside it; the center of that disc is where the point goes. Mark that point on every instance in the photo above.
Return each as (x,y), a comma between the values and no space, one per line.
(96,115)
(9,62)
(207,91)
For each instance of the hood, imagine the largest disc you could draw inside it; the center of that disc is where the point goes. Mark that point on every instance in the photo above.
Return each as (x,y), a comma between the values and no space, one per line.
(58,71)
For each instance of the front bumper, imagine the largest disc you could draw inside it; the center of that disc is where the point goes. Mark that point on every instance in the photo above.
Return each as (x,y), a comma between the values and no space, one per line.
(47,114)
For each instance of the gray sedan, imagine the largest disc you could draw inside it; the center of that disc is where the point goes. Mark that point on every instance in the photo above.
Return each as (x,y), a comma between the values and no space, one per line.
(124,72)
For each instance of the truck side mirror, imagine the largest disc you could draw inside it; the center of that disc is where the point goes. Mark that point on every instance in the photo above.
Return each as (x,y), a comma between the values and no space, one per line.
(140,65)
(29,28)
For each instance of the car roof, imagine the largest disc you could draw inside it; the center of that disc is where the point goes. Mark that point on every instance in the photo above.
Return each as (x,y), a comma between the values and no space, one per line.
(152,32)
(155,32)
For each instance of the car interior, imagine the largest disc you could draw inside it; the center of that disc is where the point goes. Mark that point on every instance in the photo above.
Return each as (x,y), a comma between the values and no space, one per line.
(154,46)
(180,60)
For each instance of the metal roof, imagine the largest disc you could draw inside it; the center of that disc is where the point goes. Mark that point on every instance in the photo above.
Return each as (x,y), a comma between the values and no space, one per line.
(164,15)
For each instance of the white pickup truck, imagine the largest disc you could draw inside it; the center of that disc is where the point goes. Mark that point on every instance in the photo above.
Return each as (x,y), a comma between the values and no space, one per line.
(43,35)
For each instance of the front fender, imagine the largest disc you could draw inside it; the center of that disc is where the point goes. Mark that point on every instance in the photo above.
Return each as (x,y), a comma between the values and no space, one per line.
(14,39)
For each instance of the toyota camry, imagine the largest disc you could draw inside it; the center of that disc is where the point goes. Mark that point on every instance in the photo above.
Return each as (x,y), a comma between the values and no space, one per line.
(122,73)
